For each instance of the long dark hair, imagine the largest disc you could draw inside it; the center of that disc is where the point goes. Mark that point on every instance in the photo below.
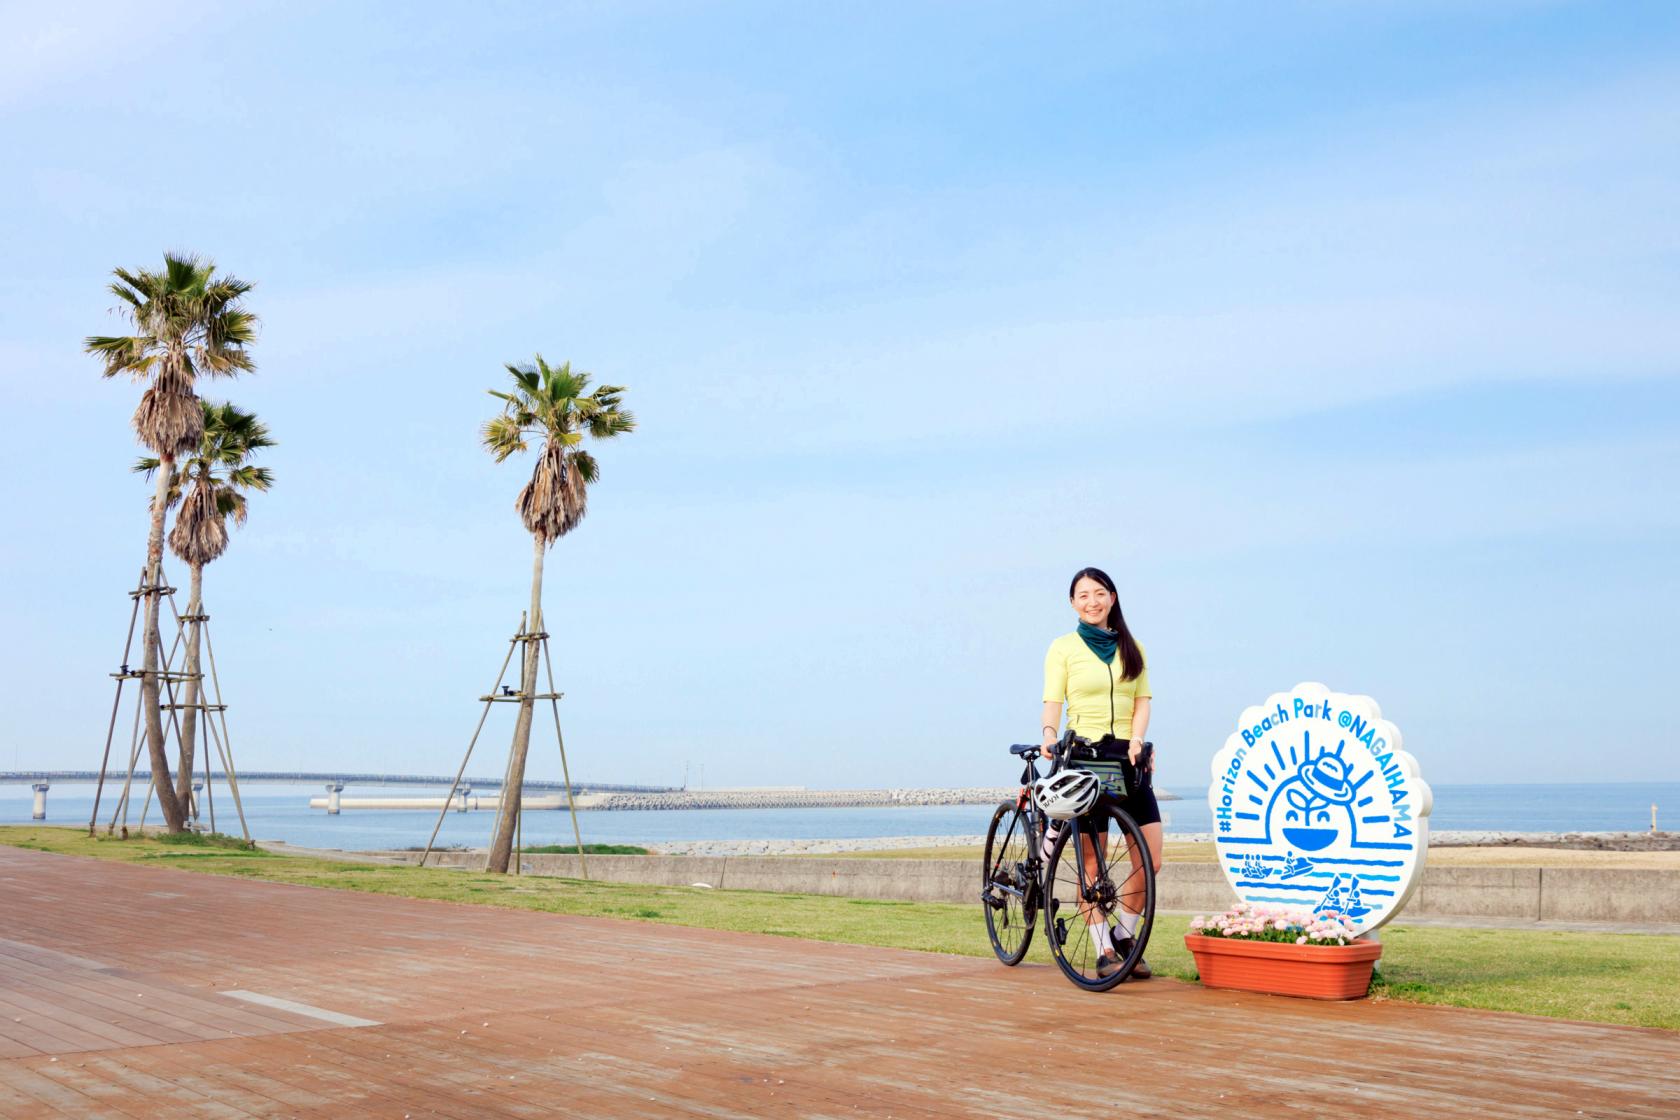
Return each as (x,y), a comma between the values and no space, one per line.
(1131,657)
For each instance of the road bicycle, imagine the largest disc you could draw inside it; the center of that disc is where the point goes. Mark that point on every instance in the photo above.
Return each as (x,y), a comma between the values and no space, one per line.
(1081,881)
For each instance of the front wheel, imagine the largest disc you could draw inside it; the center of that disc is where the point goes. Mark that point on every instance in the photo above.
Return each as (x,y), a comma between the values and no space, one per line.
(1088,886)
(1009,887)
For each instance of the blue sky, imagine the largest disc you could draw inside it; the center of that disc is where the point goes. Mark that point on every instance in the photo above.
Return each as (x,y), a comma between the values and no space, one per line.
(1342,335)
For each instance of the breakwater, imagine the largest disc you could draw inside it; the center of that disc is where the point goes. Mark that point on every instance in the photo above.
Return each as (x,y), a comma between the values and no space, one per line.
(602,801)
(771,798)
(805,798)
(795,798)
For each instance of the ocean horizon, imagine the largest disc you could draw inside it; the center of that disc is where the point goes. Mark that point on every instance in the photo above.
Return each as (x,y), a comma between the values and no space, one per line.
(283,813)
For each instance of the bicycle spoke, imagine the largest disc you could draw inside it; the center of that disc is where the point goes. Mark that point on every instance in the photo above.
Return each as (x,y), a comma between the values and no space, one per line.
(1007,881)
(1089,879)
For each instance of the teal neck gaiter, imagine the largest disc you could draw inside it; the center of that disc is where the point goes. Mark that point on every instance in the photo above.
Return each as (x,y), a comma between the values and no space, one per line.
(1099,641)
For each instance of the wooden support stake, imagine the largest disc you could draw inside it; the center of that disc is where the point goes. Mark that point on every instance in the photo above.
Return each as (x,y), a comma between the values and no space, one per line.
(473,742)
(565,770)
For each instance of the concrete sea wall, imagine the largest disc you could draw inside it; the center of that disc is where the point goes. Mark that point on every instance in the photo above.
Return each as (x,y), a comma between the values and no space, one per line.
(1534,894)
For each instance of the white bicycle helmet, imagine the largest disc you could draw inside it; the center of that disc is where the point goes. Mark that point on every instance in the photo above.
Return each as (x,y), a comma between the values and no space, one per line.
(1066,795)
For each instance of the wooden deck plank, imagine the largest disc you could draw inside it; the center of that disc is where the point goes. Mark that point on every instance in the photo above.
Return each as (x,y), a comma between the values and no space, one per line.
(505,1014)
(73,1012)
(47,1031)
(25,1091)
(160,1009)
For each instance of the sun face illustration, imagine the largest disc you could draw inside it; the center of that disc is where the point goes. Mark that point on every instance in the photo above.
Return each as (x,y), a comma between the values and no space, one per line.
(1312,808)
(1316,804)
(1316,807)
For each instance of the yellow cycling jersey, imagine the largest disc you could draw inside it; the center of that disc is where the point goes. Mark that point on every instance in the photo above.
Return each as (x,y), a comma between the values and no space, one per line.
(1099,701)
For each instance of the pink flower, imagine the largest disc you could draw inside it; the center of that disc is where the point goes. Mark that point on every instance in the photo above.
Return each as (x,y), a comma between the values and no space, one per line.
(1302,940)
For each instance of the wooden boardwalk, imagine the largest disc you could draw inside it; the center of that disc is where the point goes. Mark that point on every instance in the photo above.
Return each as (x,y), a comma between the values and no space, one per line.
(114,1002)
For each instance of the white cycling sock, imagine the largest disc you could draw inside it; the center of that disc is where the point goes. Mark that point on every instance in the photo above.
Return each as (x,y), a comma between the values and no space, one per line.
(1050,834)
(1099,937)
(1128,922)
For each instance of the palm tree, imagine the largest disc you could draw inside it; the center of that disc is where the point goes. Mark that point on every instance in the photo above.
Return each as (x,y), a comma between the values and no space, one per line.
(213,481)
(547,407)
(188,323)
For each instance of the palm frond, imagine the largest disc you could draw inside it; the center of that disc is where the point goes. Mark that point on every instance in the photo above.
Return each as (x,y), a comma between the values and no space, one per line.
(551,406)
(118,353)
(554,501)
(250,478)
(200,534)
(502,436)
(168,422)
(585,466)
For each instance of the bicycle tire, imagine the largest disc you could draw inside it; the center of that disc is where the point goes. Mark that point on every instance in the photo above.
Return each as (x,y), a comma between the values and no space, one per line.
(1008,887)
(1078,964)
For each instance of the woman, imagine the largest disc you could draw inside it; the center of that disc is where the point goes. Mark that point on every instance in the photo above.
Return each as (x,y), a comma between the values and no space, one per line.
(1099,671)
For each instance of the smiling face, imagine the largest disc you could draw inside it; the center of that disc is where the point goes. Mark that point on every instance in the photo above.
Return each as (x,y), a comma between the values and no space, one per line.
(1091,601)
(1308,821)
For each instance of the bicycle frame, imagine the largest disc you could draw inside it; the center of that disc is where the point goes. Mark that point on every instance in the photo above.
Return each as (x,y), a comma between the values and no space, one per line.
(1035,835)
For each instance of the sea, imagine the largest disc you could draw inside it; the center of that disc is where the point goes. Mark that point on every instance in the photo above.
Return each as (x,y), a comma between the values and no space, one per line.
(278,812)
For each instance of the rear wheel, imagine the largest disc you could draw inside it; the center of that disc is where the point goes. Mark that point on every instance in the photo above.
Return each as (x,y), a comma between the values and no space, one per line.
(1009,887)
(1078,901)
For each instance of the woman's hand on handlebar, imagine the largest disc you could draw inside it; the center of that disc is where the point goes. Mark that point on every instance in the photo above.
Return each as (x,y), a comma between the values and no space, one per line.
(1136,752)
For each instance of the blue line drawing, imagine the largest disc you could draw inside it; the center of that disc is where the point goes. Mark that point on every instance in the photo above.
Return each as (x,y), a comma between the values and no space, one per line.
(1255,778)
(1364,801)
(1347,902)
(1381,819)
(1293,901)
(1248,816)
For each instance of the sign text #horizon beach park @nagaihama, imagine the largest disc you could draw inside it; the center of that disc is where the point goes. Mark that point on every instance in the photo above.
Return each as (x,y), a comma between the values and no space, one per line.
(1316,806)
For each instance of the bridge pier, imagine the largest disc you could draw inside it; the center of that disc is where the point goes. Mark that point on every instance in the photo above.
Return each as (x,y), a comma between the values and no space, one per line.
(40,789)
(463,793)
(333,790)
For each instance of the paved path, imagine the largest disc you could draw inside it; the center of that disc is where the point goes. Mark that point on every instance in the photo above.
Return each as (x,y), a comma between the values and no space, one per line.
(116,1000)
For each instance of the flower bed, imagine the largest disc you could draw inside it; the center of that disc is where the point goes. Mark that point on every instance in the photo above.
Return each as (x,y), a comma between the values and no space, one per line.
(1281,951)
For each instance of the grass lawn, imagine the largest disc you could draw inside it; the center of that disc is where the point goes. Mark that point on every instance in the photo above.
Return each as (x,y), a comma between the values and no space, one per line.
(1612,978)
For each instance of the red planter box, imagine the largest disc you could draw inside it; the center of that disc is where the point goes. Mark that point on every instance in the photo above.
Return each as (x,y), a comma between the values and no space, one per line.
(1312,971)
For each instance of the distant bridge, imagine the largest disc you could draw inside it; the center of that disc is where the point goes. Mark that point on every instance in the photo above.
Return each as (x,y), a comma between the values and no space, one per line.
(308,777)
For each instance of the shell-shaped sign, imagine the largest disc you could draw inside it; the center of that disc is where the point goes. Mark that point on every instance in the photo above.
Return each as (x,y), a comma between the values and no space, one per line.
(1316,806)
